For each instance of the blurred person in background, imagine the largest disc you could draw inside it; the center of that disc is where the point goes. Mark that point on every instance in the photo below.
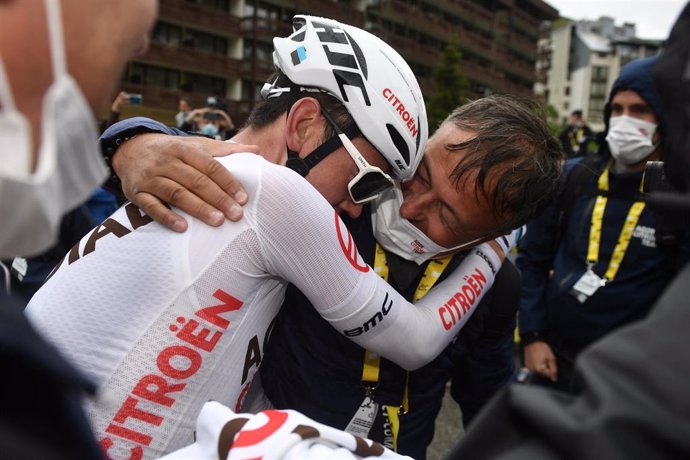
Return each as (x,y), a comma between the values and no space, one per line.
(52,81)
(215,123)
(575,136)
(122,99)
(211,122)
(611,255)
(183,108)
(633,401)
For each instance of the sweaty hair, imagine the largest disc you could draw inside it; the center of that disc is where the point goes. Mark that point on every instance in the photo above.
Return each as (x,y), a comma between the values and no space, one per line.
(516,159)
(269,110)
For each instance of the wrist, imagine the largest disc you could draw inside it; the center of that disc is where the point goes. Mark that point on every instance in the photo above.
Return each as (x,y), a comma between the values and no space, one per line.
(528,338)
(109,148)
(490,256)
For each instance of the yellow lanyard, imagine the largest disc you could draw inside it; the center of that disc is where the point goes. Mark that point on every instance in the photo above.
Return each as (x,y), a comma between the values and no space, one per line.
(576,138)
(372,361)
(626,234)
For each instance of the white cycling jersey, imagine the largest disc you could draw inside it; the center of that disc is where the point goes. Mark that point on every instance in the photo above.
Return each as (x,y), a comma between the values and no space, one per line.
(165,321)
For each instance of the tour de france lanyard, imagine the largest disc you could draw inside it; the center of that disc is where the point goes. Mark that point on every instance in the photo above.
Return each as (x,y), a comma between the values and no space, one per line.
(626,234)
(372,361)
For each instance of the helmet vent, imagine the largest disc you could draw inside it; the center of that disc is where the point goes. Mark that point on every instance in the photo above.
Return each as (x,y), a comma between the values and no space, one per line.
(399,142)
(299,37)
(419,138)
(359,55)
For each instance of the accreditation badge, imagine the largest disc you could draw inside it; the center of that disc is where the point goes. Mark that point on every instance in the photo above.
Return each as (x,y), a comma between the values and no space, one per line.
(587,285)
(362,421)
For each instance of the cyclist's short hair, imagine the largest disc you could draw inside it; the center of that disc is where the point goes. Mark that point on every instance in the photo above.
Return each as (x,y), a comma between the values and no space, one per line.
(270,109)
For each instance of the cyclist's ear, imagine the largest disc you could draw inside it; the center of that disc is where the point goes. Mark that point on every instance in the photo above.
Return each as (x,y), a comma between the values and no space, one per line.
(304,125)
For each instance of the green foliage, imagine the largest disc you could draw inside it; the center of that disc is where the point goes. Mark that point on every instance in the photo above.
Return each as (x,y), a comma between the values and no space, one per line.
(552,120)
(450,85)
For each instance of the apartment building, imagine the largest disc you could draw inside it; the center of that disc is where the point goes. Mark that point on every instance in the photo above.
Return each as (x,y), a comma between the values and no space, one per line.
(579,61)
(222,48)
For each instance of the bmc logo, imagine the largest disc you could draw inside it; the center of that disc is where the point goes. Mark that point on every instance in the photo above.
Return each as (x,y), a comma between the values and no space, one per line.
(373,321)
(352,74)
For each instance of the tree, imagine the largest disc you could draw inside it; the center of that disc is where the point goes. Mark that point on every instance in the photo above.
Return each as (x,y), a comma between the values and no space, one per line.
(552,119)
(449,83)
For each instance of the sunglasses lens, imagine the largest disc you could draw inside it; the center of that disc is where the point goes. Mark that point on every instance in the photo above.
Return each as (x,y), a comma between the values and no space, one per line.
(369,186)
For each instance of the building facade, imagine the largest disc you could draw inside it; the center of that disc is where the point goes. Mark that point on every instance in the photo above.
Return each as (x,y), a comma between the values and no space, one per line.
(580,61)
(222,48)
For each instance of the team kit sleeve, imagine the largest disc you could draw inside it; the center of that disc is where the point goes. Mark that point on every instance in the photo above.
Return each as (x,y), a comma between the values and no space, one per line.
(304,241)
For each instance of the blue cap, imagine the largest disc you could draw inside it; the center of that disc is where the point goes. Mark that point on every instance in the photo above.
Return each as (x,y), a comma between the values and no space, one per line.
(637,76)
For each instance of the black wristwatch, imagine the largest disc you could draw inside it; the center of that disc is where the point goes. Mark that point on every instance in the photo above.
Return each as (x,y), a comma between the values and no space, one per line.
(530,337)
(108,148)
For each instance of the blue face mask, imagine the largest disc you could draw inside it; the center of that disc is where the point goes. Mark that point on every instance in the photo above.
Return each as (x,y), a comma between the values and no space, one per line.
(210,130)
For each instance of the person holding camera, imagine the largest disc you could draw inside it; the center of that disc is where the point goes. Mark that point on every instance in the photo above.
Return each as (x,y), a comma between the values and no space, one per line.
(209,121)
(215,123)
(599,257)
(122,98)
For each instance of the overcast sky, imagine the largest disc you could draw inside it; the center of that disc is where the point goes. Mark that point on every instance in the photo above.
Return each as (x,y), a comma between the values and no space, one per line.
(653,18)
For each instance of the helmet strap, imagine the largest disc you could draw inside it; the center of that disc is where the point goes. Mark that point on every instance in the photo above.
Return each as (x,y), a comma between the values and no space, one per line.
(302,166)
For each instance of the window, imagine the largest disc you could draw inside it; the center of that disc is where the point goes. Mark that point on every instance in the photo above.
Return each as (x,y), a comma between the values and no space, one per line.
(205,42)
(263,10)
(596,107)
(215,4)
(149,75)
(600,73)
(264,51)
(598,89)
(205,84)
(167,33)
(250,91)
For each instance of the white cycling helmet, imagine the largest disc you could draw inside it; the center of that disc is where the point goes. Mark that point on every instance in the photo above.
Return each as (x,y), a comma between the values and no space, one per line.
(369,77)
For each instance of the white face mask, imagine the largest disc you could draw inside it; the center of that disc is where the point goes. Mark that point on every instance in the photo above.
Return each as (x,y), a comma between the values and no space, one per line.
(69,165)
(398,235)
(630,139)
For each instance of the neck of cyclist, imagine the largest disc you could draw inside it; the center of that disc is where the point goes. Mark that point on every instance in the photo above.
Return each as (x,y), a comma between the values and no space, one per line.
(269,139)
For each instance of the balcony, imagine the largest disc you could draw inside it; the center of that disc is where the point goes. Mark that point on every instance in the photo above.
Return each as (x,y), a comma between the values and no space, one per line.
(411,50)
(477,11)
(466,8)
(335,10)
(523,21)
(161,98)
(208,19)
(398,12)
(484,75)
(260,70)
(522,45)
(162,103)
(264,29)
(516,67)
(475,43)
(193,60)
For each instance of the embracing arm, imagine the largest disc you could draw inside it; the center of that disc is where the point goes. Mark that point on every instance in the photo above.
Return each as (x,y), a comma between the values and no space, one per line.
(307,244)
(159,165)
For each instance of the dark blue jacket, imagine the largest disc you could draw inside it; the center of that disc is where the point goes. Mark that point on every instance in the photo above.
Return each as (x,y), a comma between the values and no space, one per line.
(547,303)
(310,367)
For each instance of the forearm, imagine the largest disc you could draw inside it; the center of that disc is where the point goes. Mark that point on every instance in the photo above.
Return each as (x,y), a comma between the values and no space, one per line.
(414,335)
(117,134)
